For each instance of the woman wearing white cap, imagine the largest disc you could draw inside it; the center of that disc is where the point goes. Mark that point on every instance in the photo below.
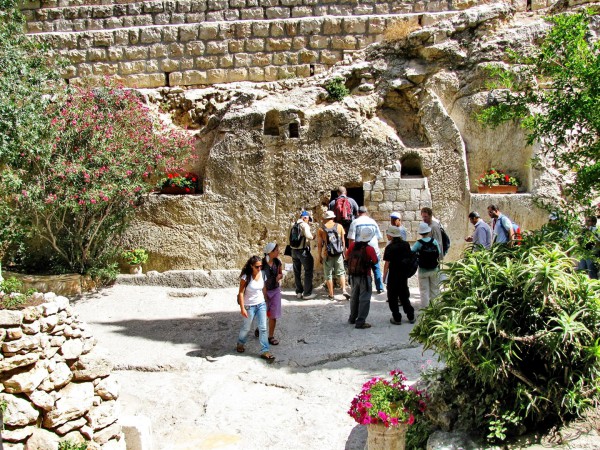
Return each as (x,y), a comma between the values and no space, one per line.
(429,251)
(273,270)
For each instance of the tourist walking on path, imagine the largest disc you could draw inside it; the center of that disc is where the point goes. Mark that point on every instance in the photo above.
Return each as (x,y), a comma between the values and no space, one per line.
(273,272)
(363,221)
(344,208)
(592,244)
(436,228)
(429,252)
(361,257)
(396,256)
(502,228)
(300,237)
(396,221)
(331,245)
(482,234)
(251,298)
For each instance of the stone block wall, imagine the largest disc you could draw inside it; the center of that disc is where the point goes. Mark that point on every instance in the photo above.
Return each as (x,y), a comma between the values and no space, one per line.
(390,193)
(189,43)
(55,382)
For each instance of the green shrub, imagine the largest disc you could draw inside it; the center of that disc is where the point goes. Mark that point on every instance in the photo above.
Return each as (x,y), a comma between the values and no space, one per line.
(14,294)
(519,331)
(337,89)
(70,445)
(135,256)
(106,275)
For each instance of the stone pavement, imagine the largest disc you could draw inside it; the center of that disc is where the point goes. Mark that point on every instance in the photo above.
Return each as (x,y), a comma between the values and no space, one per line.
(174,355)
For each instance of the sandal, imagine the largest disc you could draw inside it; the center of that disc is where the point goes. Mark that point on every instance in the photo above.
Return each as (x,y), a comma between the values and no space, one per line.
(240,348)
(256,333)
(268,357)
(273,341)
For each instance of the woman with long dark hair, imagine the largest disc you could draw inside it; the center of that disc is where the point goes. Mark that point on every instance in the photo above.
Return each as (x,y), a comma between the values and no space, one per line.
(251,298)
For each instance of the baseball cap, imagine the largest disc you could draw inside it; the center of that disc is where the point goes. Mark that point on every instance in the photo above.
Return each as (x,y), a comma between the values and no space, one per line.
(424,228)
(269,248)
(362,209)
(395,215)
(393,231)
(329,215)
(306,214)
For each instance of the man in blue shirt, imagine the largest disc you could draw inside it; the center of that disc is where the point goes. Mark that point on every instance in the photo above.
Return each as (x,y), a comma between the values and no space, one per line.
(501,226)
(482,235)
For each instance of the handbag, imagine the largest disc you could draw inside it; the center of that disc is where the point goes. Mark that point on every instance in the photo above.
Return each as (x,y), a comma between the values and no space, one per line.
(288,250)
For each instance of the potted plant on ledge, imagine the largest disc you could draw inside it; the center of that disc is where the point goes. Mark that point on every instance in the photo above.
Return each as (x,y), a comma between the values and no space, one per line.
(495,181)
(387,407)
(135,258)
(178,184)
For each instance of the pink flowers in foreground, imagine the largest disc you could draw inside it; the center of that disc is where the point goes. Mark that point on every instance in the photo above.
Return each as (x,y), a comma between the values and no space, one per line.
(389,402)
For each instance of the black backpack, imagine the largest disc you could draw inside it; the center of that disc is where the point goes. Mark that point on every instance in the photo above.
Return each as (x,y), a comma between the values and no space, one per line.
(445,240)
(410,264)
(428,255)
(296,235)
(358,260)
(334,243)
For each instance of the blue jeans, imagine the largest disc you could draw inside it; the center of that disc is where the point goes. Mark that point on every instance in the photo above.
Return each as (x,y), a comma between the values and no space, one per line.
(260,311)
(378,276)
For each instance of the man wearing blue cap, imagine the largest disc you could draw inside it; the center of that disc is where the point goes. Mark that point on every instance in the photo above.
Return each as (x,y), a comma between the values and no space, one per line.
(300,237)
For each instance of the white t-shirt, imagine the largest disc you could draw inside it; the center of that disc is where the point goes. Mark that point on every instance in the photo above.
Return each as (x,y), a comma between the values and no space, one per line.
(253,295)
(366,221)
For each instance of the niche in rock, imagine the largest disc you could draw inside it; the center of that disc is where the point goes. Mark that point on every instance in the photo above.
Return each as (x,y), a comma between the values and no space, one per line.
(294,130)
(411,166)
(271,127)
(399,113)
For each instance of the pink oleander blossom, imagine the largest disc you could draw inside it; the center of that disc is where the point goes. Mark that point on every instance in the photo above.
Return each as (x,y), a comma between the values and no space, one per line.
(390,402)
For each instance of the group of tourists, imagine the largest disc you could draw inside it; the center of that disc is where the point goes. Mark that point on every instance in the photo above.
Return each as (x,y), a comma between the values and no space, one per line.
(348,250)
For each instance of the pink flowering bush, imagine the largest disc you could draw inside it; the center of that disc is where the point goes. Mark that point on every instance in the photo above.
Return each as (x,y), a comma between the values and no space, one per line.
(389,402)
(76,192)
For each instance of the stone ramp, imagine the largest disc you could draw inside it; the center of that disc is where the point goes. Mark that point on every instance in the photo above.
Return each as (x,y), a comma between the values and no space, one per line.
(175,359)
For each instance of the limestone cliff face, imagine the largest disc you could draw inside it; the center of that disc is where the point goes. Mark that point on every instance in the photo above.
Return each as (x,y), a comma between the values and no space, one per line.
(406,138)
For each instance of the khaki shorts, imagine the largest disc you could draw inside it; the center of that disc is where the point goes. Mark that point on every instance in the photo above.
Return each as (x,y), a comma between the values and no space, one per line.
(333,266)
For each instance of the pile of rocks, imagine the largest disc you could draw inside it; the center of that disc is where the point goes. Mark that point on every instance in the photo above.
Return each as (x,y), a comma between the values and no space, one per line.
(54,381)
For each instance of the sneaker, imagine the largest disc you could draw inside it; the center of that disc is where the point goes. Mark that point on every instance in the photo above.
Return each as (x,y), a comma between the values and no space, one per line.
(345,294)
(330,297)
(299,296)
(395,322)
(379,291)
(411,320)
(364,325)
(308,297)
(351,321)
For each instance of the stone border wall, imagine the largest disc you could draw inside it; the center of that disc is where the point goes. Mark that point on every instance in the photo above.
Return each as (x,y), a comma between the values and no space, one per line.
(55,382)
(218,52)
(112,16)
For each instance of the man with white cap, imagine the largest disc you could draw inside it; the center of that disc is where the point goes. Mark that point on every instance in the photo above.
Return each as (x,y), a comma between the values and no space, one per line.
(429,251)
(396,221)
(331,244)
(397,256)
(361,257)
(300,237)
(361,222)
(482,234)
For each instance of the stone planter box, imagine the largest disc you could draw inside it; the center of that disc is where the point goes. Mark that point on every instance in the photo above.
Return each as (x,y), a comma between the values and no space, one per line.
(68,284)
(497,189)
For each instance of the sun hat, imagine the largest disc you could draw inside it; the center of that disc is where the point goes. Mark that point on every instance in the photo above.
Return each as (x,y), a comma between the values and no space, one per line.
(269,248)
(424,228)
(395,215)
(393,231)
(553,216)
(329,215)
(365,234)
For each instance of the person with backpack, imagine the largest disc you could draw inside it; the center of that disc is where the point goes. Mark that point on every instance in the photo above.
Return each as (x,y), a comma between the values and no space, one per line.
(429,251)
(300,237)
(251,298)
(331,244)
(345,209)
(397,269)
(502,227)
(361,257)
(437,231)
(364,221)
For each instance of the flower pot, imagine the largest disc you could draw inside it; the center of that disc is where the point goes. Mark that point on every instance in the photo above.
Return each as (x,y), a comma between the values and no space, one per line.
(176,190)
(135,269)
(501,189)
(382,438)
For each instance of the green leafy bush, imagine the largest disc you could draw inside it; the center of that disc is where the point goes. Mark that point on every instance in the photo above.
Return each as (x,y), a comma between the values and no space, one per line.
(519,331)
(14,294)
(105,275)
(70,445)
(336,88)
(135,256)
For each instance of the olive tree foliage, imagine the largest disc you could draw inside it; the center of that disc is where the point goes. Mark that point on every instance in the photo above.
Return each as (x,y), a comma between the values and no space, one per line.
(519,331)
(554,91)
(26,75)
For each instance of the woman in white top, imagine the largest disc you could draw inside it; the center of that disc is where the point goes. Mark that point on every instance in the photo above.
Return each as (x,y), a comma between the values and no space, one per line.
(251,298)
